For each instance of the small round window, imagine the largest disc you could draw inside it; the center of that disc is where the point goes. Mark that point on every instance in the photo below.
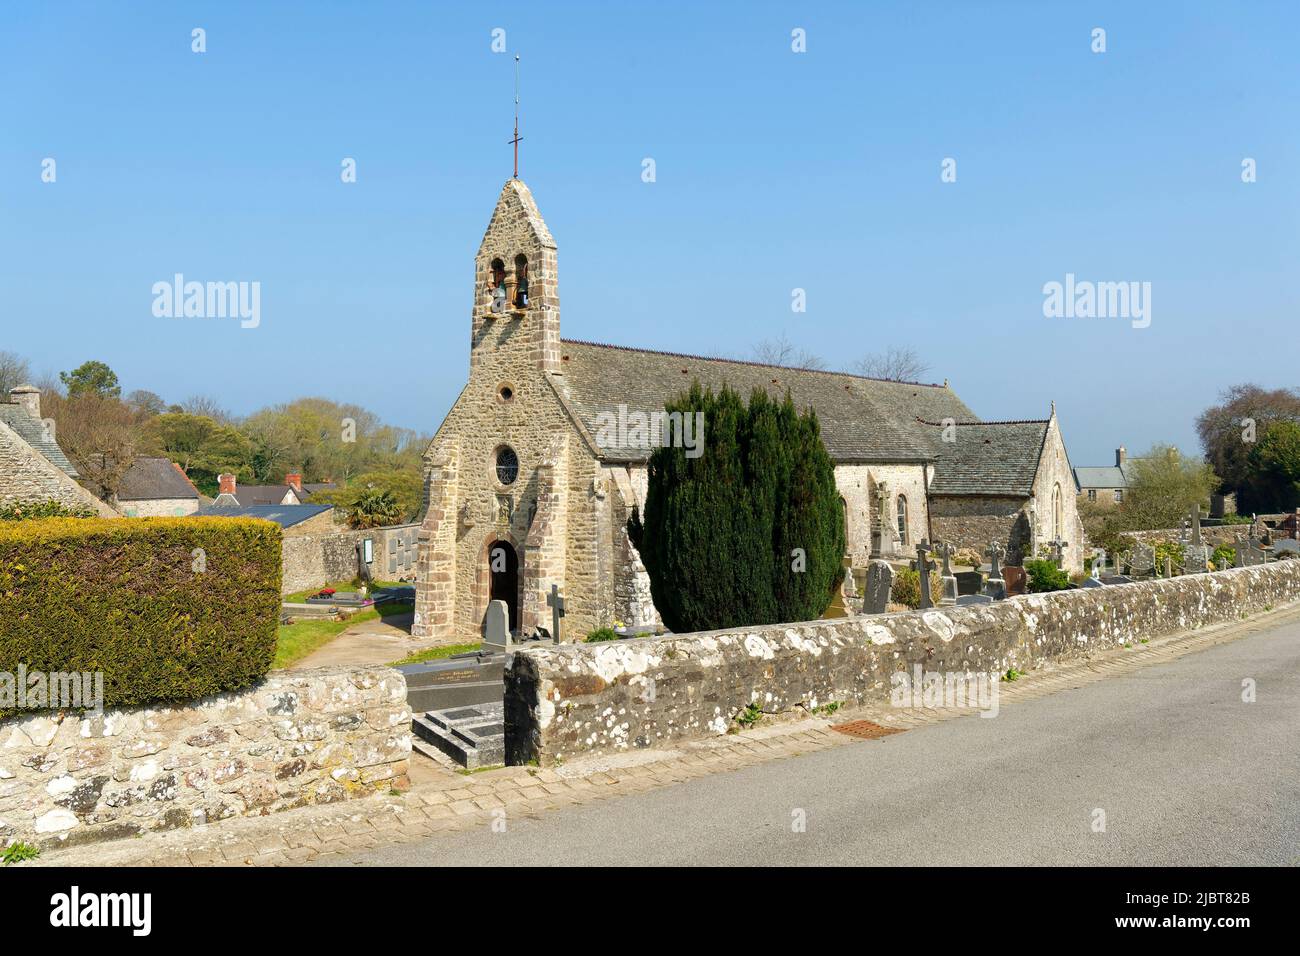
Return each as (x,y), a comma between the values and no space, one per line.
(507,466)
(505,393)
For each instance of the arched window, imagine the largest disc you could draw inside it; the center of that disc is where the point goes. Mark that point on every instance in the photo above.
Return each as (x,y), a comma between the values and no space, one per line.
(902,520)
(521,281)
(1058,515)
(497,285)
(844,511)
(507,465)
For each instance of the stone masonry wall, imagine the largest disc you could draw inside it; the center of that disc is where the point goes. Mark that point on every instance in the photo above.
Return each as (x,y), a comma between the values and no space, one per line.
(27,476)
(314,560)
(620,695)
(315,736)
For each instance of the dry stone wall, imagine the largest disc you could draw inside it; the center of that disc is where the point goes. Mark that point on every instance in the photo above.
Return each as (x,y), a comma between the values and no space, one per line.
(297,738)
(621,695)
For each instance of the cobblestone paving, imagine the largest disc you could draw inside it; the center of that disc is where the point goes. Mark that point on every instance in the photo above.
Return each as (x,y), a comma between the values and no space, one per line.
(442,800)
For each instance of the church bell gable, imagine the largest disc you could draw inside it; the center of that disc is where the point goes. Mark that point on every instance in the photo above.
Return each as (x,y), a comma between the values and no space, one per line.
(516,287)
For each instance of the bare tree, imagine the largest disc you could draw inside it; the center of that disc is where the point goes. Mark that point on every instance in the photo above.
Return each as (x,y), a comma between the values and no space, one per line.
(781,351)
(208,407)
(143,400)
(895,364)
(99,434)
(14,370)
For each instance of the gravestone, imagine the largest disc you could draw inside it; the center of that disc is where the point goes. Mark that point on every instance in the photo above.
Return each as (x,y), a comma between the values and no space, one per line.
(1196,559)
(497,628)
(880,583)
(1015,580)
(1057,552)
(969,582)
(555,601)
(1142,561)
(1286,546)
(968,599)
(923,568)
(950,592)
(996,587)
(1099,565)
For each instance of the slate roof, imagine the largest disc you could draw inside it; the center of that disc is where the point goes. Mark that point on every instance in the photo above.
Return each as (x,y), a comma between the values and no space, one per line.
(987,458)
(286,516)
(264,494)
(862,419)
(153,478)
(32,431)
(1104,476)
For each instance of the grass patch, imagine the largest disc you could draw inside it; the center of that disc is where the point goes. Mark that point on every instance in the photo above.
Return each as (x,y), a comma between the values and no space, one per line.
(437,653)
(299,597)
(295,641)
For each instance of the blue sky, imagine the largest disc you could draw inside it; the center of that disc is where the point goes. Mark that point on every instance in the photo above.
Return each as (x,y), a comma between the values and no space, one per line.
(775,171)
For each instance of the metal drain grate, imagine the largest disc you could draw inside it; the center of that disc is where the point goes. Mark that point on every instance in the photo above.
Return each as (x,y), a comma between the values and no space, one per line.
(866,729)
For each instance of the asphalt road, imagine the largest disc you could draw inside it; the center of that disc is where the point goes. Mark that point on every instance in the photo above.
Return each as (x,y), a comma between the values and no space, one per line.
(1186,772)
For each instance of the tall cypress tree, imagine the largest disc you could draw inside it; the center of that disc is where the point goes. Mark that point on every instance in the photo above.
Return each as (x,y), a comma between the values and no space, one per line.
(749,532)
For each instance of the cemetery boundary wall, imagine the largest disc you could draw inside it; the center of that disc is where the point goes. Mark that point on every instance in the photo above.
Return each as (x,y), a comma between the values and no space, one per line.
(571,700)
(296,738)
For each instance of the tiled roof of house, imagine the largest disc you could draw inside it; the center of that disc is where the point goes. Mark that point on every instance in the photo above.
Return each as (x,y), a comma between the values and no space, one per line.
(154,478)
(286,516)
(986,458)
(862,419)
(32,430)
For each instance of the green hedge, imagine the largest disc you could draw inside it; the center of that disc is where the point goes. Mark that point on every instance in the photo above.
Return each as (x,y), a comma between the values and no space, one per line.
(133,598)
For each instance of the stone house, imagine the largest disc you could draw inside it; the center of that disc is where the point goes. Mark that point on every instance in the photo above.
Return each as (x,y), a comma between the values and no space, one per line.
(33,469)
(1106,483)
(535,470)
(156,488)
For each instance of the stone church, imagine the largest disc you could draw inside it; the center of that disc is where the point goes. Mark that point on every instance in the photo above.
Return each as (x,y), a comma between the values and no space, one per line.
(527,486)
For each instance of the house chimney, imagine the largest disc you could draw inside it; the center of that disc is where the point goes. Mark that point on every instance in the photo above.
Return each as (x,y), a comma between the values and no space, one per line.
(226,484)
(1121,455)
(294,480)
(29,397)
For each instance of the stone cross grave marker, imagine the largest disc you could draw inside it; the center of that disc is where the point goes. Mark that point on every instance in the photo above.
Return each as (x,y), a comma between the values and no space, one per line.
(556,603)
(946,551)
(923,569)
(497,636)
(1058,550)
(996,587)
(1196,525)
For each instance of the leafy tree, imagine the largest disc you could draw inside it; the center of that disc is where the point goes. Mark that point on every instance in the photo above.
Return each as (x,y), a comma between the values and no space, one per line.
(749,532)
(1164,487)
(202,447)
(91,378)
(1225,434)
(406,487)
(1275,467)
(373,508)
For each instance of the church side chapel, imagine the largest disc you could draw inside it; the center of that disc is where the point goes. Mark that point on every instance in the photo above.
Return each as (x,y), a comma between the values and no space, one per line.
(526,491)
